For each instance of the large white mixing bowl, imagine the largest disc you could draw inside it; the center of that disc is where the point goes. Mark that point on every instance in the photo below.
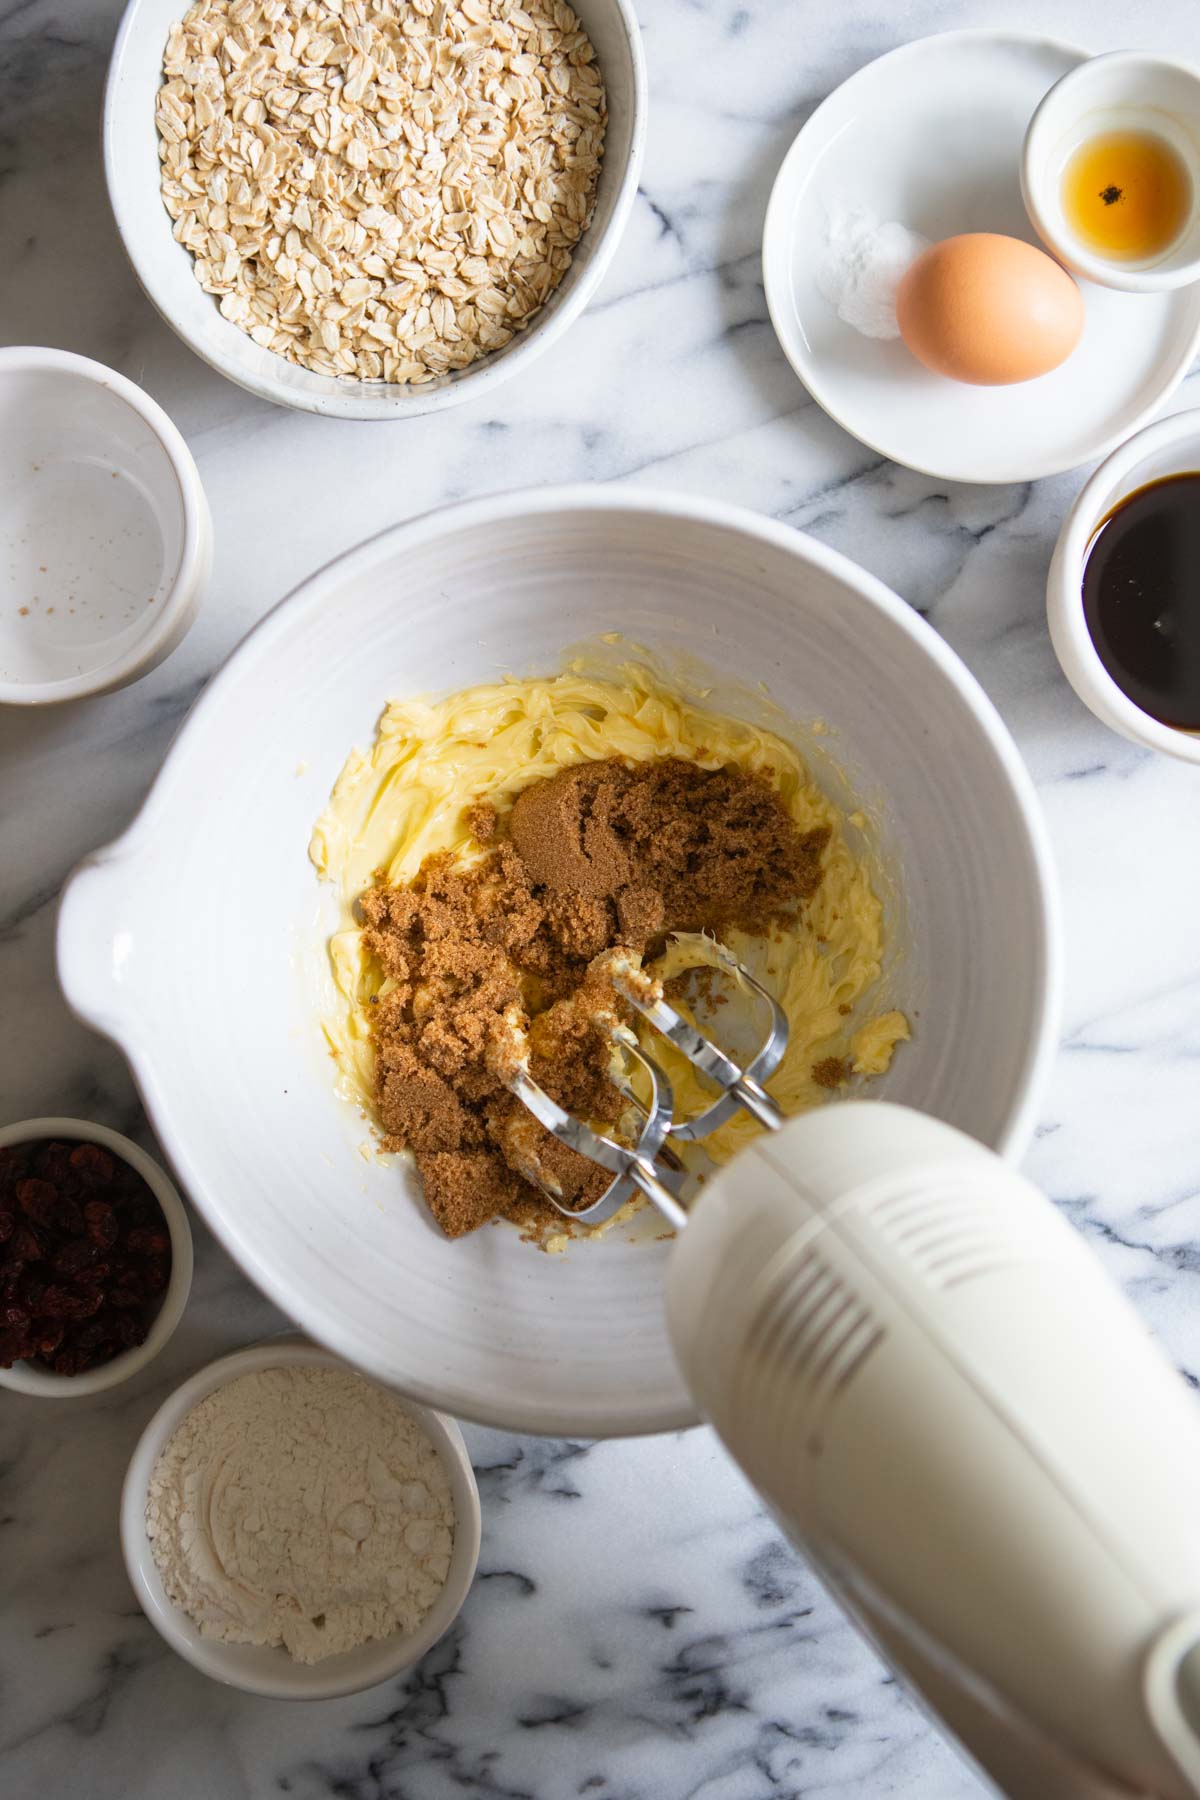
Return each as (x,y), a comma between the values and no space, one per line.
(196,941)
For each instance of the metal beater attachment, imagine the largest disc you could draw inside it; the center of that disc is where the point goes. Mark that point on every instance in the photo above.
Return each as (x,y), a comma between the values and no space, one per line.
(633,1166)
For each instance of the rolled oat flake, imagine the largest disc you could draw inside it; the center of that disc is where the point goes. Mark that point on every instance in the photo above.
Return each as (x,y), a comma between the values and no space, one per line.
(302,1507)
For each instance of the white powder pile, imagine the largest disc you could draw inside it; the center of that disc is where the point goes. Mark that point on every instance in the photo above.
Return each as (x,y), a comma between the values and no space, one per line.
(303,1507)
(862,266)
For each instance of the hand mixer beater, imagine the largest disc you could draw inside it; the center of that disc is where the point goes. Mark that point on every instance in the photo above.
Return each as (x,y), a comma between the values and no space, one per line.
(945,1402)
(633,1166)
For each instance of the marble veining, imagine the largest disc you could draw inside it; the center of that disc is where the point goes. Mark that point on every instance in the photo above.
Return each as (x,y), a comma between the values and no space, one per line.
(638,1631)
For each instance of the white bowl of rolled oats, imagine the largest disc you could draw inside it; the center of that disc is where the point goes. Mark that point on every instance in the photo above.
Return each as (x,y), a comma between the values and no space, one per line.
(373,208)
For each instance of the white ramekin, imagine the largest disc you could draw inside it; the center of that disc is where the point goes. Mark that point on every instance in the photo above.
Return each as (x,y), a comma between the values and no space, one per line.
(272,1671)
(1123,90)
(164,267)
(27,1378)
(1170,447)
(106,524)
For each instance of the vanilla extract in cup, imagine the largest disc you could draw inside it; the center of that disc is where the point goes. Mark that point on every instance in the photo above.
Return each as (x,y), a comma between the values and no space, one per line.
(1128,194)
(1141,598)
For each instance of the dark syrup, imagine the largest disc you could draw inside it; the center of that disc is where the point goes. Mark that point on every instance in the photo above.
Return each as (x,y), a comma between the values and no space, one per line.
(1141,598)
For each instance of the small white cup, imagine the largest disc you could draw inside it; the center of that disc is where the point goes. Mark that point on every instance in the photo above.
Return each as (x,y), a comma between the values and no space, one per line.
(271,1671)
(1170,447)
(104,526)
(30,1378)
(1125,90)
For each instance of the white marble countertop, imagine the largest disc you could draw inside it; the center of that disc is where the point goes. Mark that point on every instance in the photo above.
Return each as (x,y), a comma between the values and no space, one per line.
(638,1631)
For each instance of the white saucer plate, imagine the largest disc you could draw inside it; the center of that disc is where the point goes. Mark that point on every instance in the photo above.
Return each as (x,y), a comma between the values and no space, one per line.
(931,135)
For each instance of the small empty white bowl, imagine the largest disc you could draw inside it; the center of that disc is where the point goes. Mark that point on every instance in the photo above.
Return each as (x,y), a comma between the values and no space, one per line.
(258,1669)
(1125,90)
(1171,447)
(165,268)
(105,535)
(30,1378)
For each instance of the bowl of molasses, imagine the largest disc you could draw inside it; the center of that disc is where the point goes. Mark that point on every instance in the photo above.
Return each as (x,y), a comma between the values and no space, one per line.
(1123,594)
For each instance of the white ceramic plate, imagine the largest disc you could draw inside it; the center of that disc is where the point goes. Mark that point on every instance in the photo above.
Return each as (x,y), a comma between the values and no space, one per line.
(198,941)
(931,135)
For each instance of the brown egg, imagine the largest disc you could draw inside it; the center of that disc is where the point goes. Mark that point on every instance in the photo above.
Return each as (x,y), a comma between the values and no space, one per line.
(989,310)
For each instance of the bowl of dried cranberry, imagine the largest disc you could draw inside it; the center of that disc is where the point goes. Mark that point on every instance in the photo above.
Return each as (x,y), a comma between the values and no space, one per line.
(95,1257)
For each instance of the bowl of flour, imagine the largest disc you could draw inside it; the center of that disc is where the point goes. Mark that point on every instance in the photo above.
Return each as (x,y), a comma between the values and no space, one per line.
(295,1529)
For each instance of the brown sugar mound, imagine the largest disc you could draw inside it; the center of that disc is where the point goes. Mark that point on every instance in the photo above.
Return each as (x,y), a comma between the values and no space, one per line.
(596,856)
(674,846)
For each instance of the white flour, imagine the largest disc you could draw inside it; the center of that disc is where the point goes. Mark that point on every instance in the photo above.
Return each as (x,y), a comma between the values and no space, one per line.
(303,1507)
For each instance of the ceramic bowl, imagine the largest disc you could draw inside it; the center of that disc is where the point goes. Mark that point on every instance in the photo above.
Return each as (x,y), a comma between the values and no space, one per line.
(164,268)
(104,524)
(1171,447)
(28,1378)
(1123,90)
(163,935)
(271,1670)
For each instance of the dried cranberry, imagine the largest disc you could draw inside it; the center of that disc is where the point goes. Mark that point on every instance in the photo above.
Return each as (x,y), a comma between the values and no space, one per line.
(38,1200)
(90,1337)
(75,1255)
(84,1252)
(100,1222)
(53,1162)
(129,1329)
(23,1247)
(30,1292)
(69,1216)
(48,1337)
(60,1303)
(145,1242)
(93,1165)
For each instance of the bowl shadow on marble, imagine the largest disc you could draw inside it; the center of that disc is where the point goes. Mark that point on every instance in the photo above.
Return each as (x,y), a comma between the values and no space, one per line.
(747,332)
(56,130)
(68,1601)
(60,226)
(64,1060)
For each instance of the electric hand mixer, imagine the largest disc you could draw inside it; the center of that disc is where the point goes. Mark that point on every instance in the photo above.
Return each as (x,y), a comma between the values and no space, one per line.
(946,1404)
